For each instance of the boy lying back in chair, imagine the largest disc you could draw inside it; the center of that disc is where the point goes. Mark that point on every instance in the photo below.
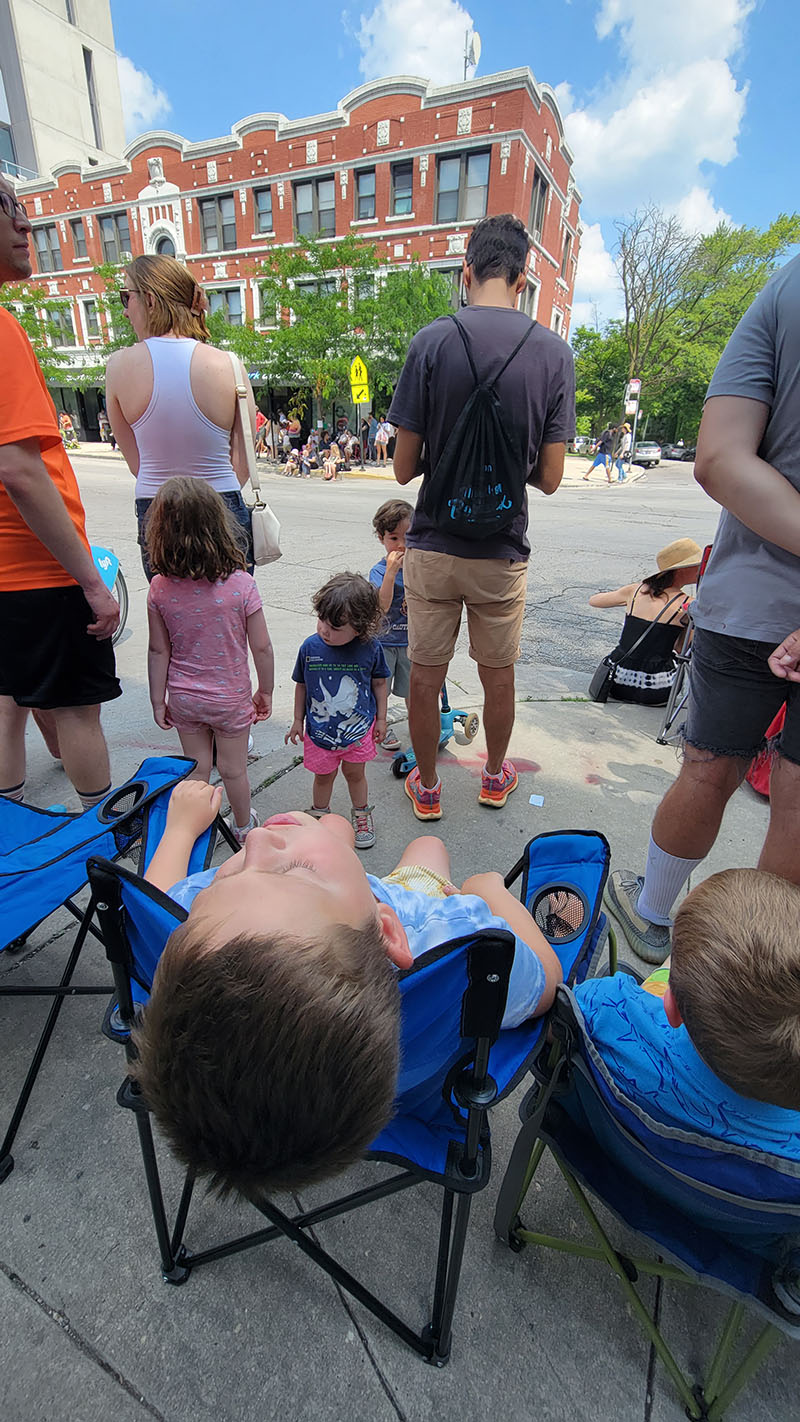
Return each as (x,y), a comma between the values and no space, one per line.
(269,1049)
(720,1052)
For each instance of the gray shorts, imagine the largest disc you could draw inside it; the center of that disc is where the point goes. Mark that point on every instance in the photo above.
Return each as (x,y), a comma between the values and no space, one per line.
(733,697)
(400,668)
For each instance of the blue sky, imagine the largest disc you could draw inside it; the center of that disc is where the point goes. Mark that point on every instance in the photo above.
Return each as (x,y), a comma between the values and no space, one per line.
(687,103)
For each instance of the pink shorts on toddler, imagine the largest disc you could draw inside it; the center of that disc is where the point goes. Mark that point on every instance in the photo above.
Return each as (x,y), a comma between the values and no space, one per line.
(322,761)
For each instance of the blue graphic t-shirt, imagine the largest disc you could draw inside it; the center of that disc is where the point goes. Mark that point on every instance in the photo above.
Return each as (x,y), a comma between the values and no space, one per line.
(394,632)
(657,1067)
(340,704)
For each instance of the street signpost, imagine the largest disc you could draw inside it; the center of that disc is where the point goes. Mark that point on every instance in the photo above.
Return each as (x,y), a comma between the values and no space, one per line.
(360,393)
(633,391)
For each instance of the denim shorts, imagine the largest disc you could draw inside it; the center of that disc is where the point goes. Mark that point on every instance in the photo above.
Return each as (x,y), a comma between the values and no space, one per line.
(237,507)
(733,697)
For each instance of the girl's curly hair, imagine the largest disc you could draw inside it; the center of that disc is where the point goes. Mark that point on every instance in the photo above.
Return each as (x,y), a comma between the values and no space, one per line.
(347,597)
(191,534)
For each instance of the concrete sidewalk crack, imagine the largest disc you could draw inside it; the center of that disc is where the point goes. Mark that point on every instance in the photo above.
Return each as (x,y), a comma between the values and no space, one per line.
(82,1344)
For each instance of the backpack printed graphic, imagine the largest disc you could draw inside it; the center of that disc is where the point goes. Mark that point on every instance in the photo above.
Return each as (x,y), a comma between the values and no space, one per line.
(477,487)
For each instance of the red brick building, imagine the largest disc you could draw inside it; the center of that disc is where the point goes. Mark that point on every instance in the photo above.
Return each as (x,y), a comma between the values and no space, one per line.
(408,166)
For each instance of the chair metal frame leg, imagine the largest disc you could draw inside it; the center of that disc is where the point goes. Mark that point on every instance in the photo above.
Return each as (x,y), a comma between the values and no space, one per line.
(678,692)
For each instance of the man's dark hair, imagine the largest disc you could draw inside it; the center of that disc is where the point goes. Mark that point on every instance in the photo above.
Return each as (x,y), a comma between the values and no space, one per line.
(348,597)
(270,1063)
(390,515)
(498,247)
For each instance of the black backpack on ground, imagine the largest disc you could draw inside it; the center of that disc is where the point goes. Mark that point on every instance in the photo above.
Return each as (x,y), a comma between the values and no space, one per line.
(478,485)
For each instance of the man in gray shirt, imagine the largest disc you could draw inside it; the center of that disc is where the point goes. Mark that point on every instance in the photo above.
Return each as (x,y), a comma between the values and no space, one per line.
(748,459)
(444,573)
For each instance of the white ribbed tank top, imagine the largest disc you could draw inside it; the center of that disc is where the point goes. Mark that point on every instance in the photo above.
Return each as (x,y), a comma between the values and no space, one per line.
(173,435)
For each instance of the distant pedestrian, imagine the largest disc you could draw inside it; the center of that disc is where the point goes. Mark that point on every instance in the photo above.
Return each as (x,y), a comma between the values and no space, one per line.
(622,452)
(603,451)
(382,436)
(372,430)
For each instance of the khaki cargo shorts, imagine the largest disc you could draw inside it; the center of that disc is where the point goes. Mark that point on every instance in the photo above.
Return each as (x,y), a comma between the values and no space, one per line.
(438,586)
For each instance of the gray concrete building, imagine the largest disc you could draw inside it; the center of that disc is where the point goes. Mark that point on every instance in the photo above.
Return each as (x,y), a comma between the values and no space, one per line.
(59,86)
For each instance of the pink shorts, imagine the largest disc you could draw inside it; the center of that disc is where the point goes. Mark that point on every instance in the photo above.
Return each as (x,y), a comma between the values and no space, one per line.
(322,761)
(192,713)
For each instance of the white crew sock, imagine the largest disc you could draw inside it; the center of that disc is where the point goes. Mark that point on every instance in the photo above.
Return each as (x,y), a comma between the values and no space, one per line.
(664,878)
(15,792)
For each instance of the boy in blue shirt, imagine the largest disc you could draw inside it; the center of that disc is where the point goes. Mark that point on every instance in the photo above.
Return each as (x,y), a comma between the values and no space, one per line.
(391,524)
(269,1051)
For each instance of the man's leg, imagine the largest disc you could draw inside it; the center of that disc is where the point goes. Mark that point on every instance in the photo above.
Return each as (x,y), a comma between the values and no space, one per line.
(12,747)
(84,753)
(46,723)
(498,713)
(781,852)
(424,718)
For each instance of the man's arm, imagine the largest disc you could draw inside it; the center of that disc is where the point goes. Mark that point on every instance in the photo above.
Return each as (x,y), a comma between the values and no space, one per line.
(407,456)
(727,466)
(784,662)
(549,469)
(25,478)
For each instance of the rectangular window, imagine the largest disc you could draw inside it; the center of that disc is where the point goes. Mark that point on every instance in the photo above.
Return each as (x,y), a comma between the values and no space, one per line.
(78,237)
(92,318)
(92,92)
(315,208)
(462,187)
(565,256)
(538,205)
(365,194)
(218,219)
(557,322)
(453,277)
(48,251)
(70,9)
(402,189)
(60,328)
(263,201)
(115,236)
(229,303)
(529,300)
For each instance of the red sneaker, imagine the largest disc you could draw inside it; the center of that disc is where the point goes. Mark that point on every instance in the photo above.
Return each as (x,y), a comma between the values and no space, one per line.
(495,789)
(426,804)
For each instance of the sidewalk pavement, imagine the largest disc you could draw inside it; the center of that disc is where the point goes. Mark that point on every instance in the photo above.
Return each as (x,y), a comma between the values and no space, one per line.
(87,1328)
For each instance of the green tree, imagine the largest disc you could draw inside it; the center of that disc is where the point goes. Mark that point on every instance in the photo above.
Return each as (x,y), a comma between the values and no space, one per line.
(40,316)
(601,370)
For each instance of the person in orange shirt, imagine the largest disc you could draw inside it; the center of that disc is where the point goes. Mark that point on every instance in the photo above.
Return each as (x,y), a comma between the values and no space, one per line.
(56,614)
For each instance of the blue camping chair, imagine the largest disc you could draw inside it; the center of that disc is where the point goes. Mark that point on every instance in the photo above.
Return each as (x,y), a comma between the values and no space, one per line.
(715,1213)
(43,866)
(455,1064)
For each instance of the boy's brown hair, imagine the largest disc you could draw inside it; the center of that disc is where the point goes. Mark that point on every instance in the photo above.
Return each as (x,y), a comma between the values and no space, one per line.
(347,597)
(190,533)
(270,1063)
(390,515)
(735,977)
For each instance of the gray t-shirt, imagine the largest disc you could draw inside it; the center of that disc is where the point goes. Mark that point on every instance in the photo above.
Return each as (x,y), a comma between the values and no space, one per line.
(752,588)
(537,393)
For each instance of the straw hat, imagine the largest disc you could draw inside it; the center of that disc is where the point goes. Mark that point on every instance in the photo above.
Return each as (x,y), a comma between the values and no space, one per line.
(683,553)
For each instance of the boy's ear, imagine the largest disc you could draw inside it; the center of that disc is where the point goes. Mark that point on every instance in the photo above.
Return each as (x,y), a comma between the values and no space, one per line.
(394,937)
(672,1010)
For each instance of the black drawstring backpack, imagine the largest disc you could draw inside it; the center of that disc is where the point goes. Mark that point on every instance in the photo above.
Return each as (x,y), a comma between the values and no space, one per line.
(478,485)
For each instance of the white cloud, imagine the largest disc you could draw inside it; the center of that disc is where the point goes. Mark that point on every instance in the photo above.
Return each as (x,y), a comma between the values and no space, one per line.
(143,104)
(698,212)
(424,37)
(597,288)
(659,36)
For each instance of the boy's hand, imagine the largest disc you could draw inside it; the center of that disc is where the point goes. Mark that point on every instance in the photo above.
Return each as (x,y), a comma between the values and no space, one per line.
(785,660)
(394,560)
(162,717)
(262,702)
(379,729)
(193,806)
(295,732)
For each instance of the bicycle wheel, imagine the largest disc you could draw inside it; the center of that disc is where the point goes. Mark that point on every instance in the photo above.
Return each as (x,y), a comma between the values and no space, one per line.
(120,592)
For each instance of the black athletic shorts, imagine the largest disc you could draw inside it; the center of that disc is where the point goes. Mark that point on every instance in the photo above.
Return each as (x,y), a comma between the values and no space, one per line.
(47,658)
(733,697)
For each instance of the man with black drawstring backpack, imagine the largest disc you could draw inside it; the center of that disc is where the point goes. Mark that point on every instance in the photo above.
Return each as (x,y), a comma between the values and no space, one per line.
(484,406)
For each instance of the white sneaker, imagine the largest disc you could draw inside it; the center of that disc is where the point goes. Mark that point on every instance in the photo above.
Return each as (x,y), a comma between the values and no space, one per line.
(241,834)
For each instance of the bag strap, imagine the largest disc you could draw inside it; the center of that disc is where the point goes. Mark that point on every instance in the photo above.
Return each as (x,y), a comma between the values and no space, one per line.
(630,650)
(244,426)
(506,363)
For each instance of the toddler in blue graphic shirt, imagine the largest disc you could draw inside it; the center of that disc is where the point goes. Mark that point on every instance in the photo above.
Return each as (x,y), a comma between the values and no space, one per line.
(391,524)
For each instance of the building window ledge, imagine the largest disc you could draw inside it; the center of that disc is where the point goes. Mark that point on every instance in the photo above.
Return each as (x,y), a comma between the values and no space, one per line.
(364,222)
(561,282)
(260,236)
(81,261)
(400,216)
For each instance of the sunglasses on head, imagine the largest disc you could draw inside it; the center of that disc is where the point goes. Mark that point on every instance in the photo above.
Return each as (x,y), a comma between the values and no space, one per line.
(11,207)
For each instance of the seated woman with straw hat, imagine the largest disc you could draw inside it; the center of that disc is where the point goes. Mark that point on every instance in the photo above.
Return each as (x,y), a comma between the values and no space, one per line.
(655,618)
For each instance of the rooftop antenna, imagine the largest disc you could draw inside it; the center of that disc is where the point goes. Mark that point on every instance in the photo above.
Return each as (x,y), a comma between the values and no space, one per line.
(472,50)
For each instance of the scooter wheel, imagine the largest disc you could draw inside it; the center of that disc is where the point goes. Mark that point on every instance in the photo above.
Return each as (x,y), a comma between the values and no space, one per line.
(399,768)
(467,729)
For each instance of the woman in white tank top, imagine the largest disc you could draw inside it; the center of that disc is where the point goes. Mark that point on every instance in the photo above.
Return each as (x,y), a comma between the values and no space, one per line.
(171,398)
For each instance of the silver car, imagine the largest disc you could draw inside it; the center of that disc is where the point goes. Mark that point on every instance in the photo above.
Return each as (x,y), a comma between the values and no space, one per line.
(647,454)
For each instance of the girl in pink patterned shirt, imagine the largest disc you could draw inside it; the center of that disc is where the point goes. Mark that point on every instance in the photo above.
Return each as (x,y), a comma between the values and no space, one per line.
(203,612)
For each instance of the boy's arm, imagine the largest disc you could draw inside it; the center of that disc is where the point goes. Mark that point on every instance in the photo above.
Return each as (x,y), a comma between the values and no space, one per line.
(380,688)
(264,658)
(158,654)
(501,901)
(193,806)
(394,561)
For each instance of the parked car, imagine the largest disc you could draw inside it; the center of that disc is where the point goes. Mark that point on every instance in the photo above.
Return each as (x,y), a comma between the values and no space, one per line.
(678,451)
(647,454)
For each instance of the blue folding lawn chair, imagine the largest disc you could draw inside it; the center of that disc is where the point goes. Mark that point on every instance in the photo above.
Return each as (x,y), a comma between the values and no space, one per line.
(43,866)
(713,1212)
(455,1064)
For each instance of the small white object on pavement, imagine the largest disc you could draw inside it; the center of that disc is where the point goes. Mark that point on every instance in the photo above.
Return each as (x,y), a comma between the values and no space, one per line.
(536,800)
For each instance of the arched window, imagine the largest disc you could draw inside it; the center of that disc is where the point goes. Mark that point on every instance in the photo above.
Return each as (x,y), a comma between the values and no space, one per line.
(165,247)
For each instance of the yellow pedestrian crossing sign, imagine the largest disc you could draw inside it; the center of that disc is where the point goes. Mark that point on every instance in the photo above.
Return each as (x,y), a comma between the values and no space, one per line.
(359,382)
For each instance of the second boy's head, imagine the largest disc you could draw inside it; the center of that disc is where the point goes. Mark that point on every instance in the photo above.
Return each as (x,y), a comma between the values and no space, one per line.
(347,607)
(734,980)
(268,1052)
(391,524)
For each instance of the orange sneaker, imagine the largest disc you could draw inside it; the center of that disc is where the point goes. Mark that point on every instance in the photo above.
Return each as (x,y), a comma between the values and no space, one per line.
(495,789)
(426,804)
